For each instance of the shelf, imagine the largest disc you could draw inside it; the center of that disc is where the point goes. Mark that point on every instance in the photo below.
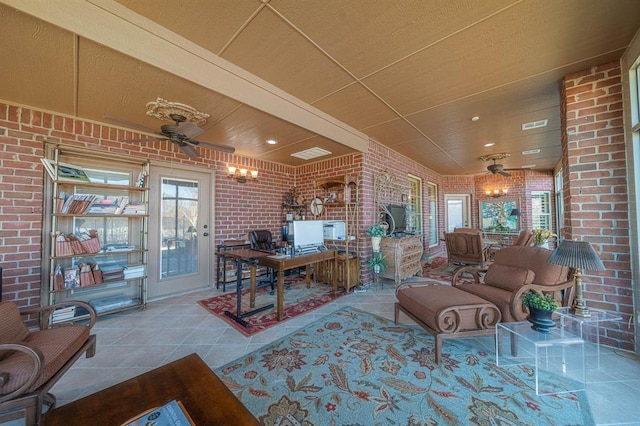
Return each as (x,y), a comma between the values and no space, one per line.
(101,186)
(104,284)
(101,253)
(98,215)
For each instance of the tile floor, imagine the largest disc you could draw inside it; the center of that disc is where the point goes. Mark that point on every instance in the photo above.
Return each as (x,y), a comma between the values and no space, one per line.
(134,342)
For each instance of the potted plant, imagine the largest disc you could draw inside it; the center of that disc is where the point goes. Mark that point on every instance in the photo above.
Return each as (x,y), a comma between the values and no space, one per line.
(376,232)
(376,263)
(541,237)
(541,307)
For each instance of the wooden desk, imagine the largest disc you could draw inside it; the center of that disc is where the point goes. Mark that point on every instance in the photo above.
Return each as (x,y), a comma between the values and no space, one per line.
(189,380)
(281,264)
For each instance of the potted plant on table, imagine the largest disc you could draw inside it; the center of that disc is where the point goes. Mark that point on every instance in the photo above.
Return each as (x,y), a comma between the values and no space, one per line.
(541,237)
(376,232)
(376,263)
(541,307)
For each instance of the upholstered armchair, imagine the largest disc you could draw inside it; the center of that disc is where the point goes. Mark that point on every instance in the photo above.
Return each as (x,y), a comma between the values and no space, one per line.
(515,271)
(465,248)
(33,360)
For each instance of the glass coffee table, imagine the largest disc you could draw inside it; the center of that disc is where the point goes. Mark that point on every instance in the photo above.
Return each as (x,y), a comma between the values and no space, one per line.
(557,358)
(589,327)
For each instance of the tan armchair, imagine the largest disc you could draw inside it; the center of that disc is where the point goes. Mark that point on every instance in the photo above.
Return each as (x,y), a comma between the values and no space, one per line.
(33,360)
(465,248)
(515,271)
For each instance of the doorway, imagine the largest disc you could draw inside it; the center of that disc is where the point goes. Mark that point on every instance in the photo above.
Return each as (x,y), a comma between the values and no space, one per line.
(458,211)
(179,231)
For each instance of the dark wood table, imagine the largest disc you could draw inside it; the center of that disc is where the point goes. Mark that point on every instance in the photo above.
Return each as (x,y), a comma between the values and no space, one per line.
(280,263)
(188,380)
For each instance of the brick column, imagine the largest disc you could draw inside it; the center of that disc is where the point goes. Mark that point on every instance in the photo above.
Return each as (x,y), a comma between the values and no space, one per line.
(596,200)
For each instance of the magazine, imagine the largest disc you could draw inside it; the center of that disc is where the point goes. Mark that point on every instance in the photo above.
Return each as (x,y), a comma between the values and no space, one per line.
(66,172)
(170,414)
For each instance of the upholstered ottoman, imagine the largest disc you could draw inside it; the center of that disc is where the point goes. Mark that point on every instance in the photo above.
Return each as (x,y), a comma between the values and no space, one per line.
(446,312)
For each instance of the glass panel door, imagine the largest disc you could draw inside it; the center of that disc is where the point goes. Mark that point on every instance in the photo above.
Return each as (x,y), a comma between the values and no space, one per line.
(179,231)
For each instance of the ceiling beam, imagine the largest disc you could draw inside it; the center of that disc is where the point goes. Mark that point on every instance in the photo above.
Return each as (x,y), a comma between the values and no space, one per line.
(113,25)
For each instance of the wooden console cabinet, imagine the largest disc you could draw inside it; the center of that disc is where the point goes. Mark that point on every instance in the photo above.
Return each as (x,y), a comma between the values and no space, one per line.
(402,257)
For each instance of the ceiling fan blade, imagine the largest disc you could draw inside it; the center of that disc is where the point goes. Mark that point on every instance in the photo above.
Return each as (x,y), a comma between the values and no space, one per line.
(503,173)
(188,150)
(189,129)
(515,170)
(214,146)
(130,124)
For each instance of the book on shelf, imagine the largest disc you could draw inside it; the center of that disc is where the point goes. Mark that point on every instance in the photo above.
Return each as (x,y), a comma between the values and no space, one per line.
(136,271)
(119,247)
(62,314)
(66,172)
(172,413)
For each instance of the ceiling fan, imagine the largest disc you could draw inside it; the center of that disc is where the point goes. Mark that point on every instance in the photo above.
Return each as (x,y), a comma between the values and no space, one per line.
(181,133)
(496,168)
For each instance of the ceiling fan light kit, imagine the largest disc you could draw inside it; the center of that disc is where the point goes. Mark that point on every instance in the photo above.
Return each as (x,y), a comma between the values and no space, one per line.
(164,110)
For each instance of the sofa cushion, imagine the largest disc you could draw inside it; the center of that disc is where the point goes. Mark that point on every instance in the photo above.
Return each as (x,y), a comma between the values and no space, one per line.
(57,345)
(535,259)
(508,277)
(12,328)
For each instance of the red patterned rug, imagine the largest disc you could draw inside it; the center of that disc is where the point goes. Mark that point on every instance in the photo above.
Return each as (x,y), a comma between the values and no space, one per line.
(439,270)
(298,300)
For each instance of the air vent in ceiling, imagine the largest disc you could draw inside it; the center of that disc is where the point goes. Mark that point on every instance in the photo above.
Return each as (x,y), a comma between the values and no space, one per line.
(534,124)
(310,153)
(531,151)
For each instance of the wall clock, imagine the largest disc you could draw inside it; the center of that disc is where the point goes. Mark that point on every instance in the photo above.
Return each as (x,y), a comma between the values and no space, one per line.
(316,206)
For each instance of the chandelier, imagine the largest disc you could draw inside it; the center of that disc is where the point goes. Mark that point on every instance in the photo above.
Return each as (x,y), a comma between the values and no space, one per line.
(241,174)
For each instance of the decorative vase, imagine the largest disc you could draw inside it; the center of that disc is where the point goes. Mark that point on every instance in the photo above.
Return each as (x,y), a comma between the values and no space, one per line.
(375,243)
(541,320)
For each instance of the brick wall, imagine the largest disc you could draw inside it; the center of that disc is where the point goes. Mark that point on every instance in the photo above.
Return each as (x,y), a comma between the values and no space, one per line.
(596,200)
(238,207)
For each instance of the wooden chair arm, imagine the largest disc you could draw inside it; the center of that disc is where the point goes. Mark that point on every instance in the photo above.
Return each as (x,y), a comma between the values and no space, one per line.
(38,365)
(45,312)
(520,313)
(475,272)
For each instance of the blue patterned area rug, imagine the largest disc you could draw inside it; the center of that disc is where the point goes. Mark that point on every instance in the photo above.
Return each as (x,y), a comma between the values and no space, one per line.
(355,368)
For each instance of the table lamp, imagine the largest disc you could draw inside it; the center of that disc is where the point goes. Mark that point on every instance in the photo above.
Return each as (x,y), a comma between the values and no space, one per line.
(578,255)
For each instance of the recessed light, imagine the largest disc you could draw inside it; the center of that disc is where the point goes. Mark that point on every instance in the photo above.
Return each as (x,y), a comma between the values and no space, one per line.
(488,144)
(272,141)
(475,118)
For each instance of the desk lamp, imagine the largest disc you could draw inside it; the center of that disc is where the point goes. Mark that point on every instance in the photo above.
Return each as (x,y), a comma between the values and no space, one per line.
(578,255)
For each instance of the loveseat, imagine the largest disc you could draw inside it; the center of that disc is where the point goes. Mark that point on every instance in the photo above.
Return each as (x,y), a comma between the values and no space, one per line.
(515,271)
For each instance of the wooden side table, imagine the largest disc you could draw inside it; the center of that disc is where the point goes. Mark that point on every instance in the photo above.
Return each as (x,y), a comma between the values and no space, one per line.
(188,380)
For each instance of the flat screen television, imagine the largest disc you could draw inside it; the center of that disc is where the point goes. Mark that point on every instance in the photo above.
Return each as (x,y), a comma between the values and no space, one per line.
(397,218)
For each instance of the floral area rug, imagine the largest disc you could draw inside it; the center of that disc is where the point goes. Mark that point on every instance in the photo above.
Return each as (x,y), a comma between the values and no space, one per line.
(355,368)
(298,299)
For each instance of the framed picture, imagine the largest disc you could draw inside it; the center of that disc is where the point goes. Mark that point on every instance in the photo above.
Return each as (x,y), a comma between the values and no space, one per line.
(495,215)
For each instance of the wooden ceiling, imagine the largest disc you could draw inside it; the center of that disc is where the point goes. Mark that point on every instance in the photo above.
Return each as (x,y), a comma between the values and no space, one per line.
(409,74)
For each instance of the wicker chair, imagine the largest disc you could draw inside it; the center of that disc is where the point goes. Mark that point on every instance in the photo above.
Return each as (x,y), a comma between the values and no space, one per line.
(33,360)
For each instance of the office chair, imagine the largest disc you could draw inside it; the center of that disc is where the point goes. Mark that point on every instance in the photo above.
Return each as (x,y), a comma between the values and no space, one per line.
(261,239)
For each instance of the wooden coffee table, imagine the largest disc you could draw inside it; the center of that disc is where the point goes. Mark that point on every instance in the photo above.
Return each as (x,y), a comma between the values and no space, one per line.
(188,380)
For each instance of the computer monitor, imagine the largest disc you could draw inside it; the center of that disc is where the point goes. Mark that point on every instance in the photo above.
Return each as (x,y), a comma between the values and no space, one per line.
(308,233)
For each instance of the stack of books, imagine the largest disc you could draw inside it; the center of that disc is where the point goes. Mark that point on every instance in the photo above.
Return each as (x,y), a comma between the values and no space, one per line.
(73,203)
(63,314)
(131,272)
(135,208)
(113,272)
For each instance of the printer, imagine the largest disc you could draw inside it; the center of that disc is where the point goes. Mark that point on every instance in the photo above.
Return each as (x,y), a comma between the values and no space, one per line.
(333,230)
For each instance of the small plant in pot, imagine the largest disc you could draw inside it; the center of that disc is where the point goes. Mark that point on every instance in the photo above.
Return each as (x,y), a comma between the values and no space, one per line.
(541,307)
(376,232)
(376,263)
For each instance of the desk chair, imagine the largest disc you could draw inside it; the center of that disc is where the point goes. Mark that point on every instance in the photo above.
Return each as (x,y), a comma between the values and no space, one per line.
(261,239)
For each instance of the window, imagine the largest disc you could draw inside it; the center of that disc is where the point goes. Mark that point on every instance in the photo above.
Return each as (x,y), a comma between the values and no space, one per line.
(414,205)
(433,213)
(541,209)
(559,202)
